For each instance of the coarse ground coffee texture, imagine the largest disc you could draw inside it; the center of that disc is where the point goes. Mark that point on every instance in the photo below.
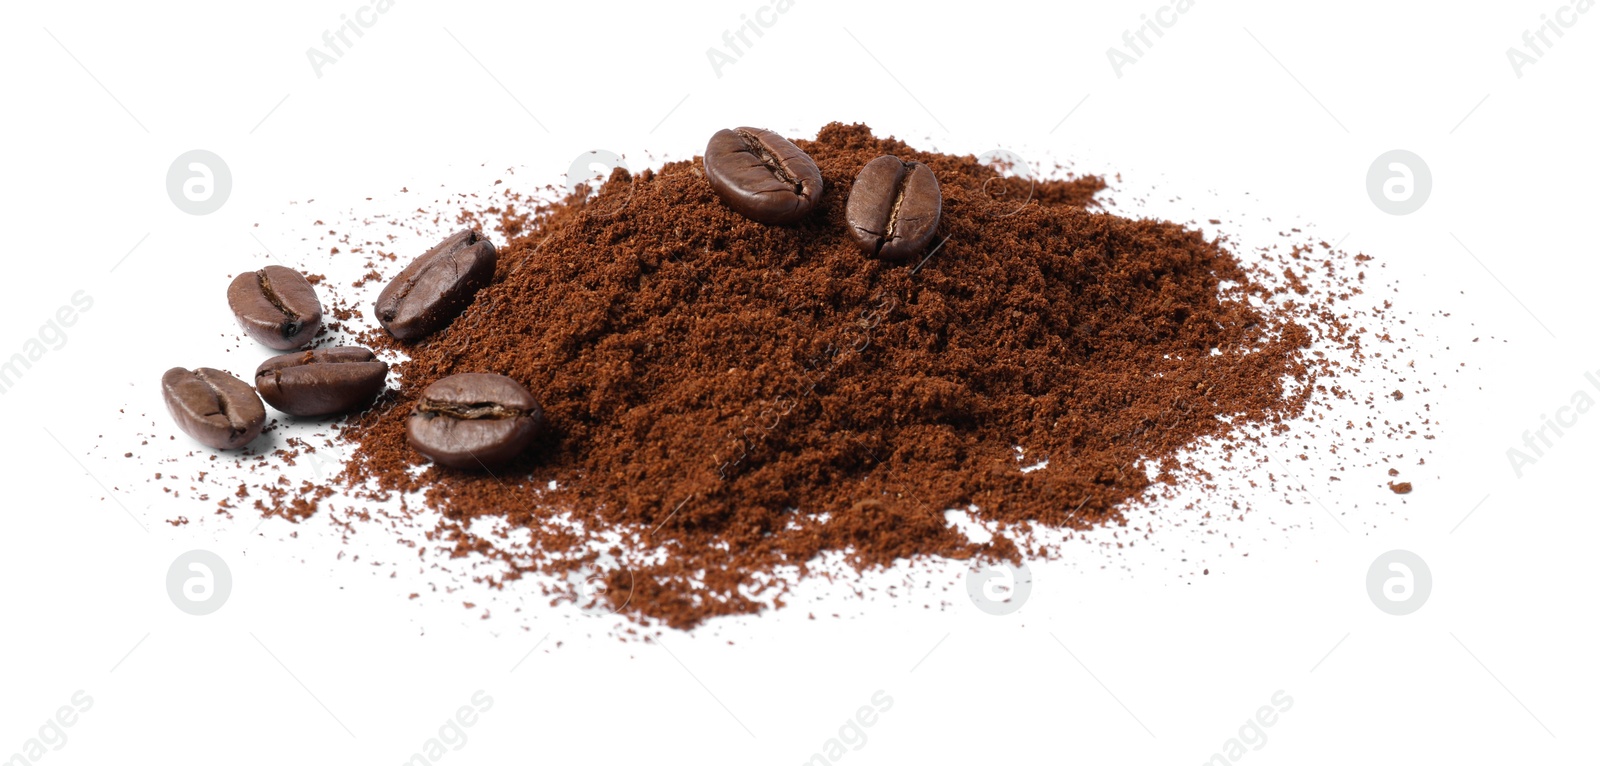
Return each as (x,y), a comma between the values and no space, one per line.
(729,402)
(746,417)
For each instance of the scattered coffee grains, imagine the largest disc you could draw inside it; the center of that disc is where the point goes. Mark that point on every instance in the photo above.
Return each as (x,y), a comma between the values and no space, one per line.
(714,409)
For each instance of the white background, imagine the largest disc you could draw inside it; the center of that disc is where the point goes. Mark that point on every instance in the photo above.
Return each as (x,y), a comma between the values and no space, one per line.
(1242,110)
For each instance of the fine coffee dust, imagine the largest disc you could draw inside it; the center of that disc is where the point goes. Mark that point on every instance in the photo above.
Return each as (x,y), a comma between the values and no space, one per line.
(734,407)
(729,400)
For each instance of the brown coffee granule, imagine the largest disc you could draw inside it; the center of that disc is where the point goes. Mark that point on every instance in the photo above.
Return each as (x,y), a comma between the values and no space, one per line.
(1052,338)
(728,401)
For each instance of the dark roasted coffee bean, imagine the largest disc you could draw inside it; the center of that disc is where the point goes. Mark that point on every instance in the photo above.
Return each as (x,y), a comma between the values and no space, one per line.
(437,286)
(276,306)
(217,409)
(893,208)
(474,420)
(324,381)
(762,176)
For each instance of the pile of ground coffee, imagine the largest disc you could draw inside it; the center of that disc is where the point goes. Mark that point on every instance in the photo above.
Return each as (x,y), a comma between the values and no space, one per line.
(726,401)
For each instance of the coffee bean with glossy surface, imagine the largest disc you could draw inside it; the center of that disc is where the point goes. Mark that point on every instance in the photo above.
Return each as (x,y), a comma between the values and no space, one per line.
(762,175)
(437,286)
(215,408)
(893,208)
(276,306)
(324,381)
(474,420)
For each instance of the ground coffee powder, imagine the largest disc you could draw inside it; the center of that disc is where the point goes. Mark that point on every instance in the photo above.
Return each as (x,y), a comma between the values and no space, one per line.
(726,401)
(739,409)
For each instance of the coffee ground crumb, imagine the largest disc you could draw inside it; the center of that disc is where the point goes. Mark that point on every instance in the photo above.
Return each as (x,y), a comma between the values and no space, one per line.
(737,409)
(728,401)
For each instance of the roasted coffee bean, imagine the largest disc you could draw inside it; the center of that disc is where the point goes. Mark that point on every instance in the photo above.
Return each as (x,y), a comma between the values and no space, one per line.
(893,208)
(215,408)
(324,381)
(276,306)
(762,176)
(474,420)
(437,286)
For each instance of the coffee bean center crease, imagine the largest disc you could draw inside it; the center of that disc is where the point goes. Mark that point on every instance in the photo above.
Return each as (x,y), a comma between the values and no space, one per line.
(277,302)
(476,411)
(770,160)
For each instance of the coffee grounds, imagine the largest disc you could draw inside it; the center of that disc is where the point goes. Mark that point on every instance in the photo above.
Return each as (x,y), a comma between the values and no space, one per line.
(729,401)
(1332,424)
